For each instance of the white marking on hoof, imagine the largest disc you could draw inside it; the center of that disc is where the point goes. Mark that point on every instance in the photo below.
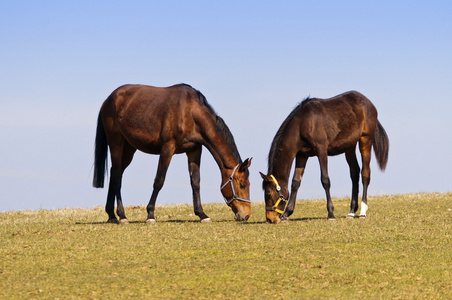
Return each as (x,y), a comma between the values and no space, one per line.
(150,221)
(331,219)
(123,221)
(351,216)
(206,220)
(364,208)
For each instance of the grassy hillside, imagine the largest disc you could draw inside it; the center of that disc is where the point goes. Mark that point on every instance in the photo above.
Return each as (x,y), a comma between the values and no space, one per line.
(402,250)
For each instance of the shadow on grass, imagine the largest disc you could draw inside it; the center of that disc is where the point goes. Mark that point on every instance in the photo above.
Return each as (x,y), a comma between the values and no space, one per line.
(213,221)
(322,218)
(136,222)
(290,220)
(157,222)
(306,219)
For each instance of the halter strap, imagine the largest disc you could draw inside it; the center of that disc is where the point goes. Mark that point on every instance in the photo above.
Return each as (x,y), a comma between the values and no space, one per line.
(281,198)
(278,188)
(234,196)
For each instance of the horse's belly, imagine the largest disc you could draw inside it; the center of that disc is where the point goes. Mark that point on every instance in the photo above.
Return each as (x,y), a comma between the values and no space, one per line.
(150,145)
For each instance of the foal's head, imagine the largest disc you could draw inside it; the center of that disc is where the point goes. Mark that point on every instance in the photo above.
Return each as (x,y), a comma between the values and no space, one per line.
(275,199)
(236,191)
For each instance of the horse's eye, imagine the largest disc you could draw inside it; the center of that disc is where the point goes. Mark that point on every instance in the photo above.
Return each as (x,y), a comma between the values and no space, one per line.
(242,186)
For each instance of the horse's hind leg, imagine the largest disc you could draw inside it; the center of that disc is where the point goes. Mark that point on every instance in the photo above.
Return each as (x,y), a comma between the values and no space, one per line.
(165,158)
(110,206)
(127,156)
(194,161)
(121,156)
(365,147)
(114,188)
(350,155)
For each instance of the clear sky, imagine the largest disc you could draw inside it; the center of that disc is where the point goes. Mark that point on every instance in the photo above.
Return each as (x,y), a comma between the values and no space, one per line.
(253,60)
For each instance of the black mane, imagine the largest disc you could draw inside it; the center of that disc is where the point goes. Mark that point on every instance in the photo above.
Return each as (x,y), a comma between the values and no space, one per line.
(221,127)
(281,130)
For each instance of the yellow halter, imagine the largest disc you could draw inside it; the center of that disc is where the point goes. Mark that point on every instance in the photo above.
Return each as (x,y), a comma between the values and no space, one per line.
(281,198)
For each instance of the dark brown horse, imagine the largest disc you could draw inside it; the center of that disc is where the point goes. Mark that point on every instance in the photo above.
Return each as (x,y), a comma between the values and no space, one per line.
(323,127)
(167,121)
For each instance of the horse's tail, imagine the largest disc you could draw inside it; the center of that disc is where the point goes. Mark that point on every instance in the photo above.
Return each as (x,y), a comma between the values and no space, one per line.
(381,146)
(100,155)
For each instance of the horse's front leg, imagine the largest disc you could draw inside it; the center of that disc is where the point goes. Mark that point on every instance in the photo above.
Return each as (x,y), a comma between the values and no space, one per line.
(300,164)
(323,161)
(165,158)
(194,162)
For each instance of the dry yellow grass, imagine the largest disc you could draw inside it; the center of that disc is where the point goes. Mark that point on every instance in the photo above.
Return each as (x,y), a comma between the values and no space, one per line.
(402,250)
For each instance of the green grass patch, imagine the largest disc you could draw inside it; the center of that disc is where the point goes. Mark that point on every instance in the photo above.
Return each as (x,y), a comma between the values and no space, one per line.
(402,250)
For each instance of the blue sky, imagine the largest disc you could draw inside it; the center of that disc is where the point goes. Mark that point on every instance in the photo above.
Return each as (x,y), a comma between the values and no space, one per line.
(253,60)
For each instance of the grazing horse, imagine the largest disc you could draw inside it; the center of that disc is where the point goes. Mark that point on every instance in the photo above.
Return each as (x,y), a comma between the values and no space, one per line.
(323,127)
(167,121)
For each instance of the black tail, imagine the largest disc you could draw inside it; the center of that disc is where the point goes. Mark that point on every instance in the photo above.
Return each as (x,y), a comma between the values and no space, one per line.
(100,155)
(381,146)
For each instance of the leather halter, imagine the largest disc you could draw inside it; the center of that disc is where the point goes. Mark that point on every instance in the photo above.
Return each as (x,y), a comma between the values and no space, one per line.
(234,196)
(281,198)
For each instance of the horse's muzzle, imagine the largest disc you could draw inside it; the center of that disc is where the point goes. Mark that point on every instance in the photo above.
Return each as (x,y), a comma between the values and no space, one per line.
(273,217)
(241,217)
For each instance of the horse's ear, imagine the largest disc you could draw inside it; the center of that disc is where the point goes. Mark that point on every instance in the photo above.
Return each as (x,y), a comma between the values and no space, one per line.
(265,177)
(246,164)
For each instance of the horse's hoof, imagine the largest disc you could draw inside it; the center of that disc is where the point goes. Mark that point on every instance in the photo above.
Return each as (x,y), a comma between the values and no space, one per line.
(206,220)
(113,221)
(362,217)
(350,216)
(150,221)
(331,219)
(123,221)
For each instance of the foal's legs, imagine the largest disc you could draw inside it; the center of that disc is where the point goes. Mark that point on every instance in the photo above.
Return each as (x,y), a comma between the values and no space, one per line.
(323,161)
(300,164)
(365,146)
(165,158)
(194,161)
(350,155)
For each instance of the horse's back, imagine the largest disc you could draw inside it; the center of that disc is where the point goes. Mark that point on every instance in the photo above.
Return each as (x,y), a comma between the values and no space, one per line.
(151,95)
(343,107)
(338,122)
(352,100)
(148,116)
(364,110)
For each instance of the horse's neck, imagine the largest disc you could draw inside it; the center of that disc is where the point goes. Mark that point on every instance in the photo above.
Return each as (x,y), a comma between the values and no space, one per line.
(281,172)
(223,156)
(217,144)
(281,164)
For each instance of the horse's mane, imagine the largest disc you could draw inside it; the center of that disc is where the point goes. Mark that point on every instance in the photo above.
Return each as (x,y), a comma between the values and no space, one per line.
(220,126)
(281,131)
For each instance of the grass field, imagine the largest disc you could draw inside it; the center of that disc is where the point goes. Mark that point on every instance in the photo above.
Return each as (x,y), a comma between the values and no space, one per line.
(403,250)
